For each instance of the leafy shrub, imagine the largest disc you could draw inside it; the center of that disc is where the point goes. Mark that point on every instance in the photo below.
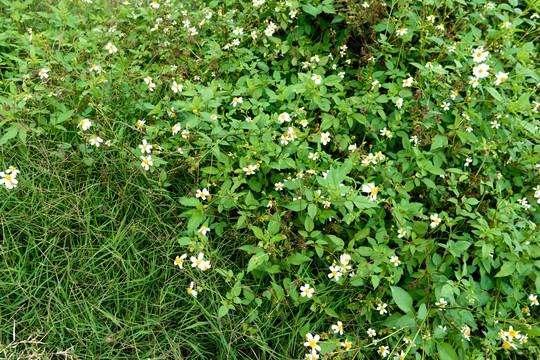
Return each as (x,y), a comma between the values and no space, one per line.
(366,163)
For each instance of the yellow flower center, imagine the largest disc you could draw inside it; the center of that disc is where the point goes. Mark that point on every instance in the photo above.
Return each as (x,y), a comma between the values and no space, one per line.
(348,345)
(8,177)
(468,332)
(307,292)
(512,333)
(198,262)
(312,343)
(235,99)
(480,70)
(177,261)
(506,345)
(189,291)
(340,327)
(335,273)
(374,191)
(503,79)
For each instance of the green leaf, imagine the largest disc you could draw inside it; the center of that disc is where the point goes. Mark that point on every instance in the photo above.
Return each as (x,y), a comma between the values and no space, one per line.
(422,312)
(331,312)
(447,352)
(494,93)
(257,260)
(297,259)
(312,10)
(10,134)
(222,311)
(508,268)
(403,299)
(189,201)
(308,223)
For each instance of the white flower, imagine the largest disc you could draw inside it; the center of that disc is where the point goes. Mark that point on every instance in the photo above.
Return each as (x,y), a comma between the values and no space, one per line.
(197,261)
(8,178)
(381,308)
(383,351)
(112,49)
(372,190)
(177,87)
(533,299)
(445,105)
(341,74)
(371,332)
(176,127)
(501,77)
(237,100)
(205,265)
(96,140)
(401,233)
(414,139)
(313,156)
(203,230)
(495,124)
(202,194)
(399,103)
(395,260)
(401,31)
(250,170)
(190,290)
(466,332)
(481,71)
(468,161)
(84,124)
(347,345)
(307,291)
(435,220)
(480,55)
(336,274)
(316,78)
(145,147)
(278,186)
(386,133)
(43,73)
(146,162)
(284,117)
(352,148)
(325,138)
(338,328)
(408,82)
(311,341)
(180,261)
(442,303)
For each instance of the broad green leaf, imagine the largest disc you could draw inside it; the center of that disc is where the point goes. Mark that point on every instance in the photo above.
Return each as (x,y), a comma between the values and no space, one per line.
(403,299)
(446,352)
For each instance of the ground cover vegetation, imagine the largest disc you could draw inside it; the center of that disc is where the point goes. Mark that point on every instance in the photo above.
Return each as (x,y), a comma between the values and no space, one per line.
(269,179)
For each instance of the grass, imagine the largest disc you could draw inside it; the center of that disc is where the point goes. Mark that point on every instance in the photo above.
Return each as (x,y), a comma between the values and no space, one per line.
(87,272)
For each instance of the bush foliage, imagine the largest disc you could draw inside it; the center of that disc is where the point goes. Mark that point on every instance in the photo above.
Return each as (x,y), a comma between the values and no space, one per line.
(346,179)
